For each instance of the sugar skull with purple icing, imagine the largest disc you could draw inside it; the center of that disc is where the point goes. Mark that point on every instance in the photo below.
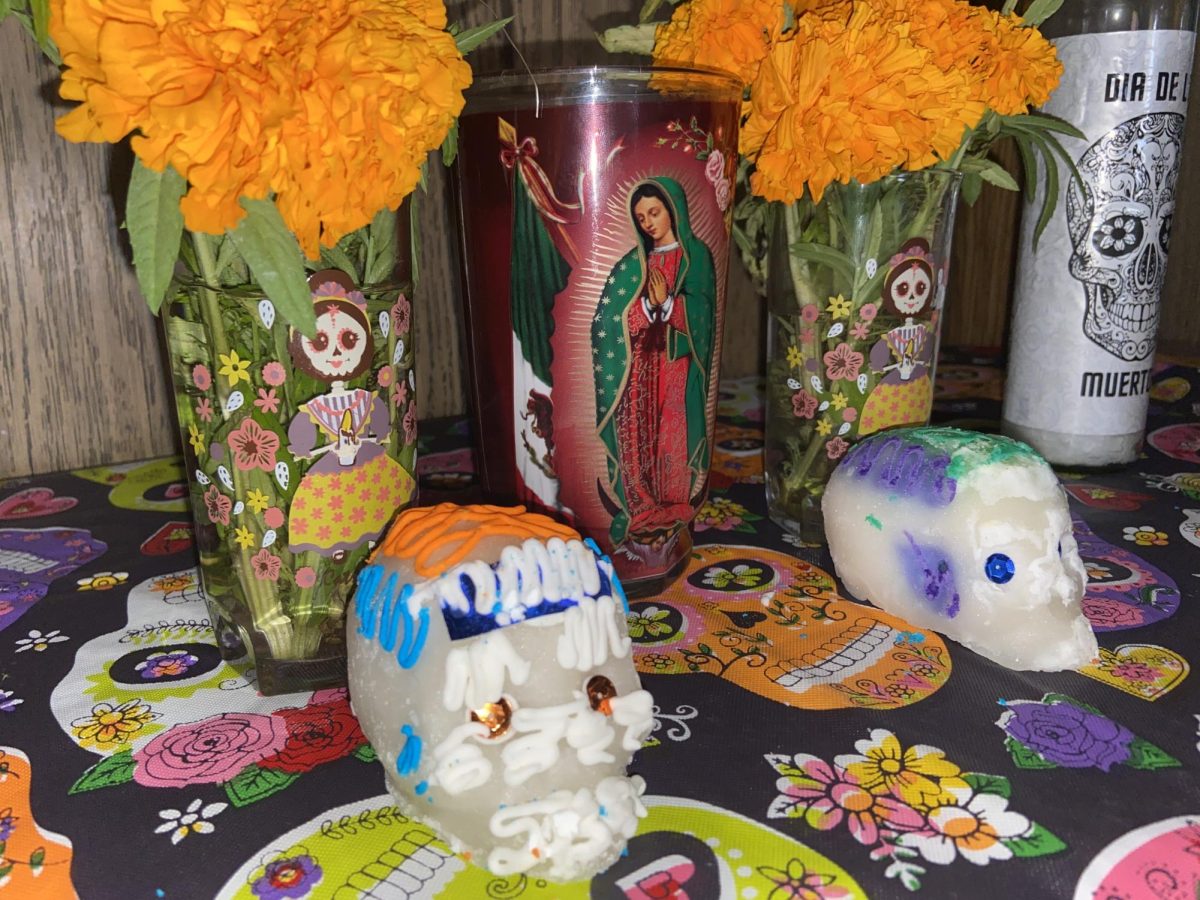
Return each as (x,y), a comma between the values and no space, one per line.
(968,534)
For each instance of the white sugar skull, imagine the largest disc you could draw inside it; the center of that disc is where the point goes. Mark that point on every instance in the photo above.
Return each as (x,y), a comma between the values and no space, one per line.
(968,534)
(1120,226)
(498,689)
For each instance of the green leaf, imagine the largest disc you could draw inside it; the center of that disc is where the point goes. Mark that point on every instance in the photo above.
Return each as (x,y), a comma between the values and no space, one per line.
(1039,11)
(1144,755)
(1024,758)
(337,258)
(972,185)
(983,783)
(381,247)
(5,9)
(629,38)
(1050,200)
(1070,701)
(155,227)
(824,255)
(994,173)
(705,649)
(471,38)
(450,144)
(1035,842)
(37,859)
(366,753)
(255,783)
(115,769)
(275,261)
(1028,164)
(414,231)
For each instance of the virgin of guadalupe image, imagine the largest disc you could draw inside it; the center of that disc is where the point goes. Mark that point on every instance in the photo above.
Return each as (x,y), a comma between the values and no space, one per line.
(652,345)
(350,493)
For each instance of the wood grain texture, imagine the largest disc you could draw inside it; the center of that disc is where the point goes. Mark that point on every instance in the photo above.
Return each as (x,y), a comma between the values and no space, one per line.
(81,370)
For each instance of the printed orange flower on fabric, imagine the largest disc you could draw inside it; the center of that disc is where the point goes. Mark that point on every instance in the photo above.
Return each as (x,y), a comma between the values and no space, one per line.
(331,105)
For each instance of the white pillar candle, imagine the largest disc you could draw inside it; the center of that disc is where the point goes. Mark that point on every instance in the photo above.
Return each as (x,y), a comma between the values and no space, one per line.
(967,534)
(490,667)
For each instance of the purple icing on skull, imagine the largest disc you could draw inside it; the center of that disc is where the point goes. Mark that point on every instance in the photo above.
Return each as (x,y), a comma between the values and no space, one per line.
(1067,735)
(903,467)
(930,576)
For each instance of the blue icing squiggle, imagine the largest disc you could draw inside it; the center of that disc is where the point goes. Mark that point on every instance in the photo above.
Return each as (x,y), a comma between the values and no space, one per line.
(930,576)
(378,606)
(409,759)
(366,599)
(903,467)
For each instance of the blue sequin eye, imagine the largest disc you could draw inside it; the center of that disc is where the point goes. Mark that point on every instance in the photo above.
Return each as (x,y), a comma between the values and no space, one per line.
(999,568)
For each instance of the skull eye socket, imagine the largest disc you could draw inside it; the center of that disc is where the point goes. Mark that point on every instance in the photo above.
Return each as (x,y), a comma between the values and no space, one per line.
(495,717)
(1118,235)
(600,692)
(999,568)
(348,339)
(1164,232)
(320,342)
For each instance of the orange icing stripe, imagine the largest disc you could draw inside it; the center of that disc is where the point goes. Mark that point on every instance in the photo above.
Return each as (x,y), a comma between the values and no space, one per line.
(421,533)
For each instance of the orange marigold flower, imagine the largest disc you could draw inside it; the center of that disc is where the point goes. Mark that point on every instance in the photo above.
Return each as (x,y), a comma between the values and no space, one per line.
(853,99)
(331,105)
(732,35)
(1024,68)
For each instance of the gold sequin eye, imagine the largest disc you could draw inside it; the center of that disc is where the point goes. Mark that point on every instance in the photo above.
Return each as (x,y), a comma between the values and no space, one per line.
(495,717)
(600,692)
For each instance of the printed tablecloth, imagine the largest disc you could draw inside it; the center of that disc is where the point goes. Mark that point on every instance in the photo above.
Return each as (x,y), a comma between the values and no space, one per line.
(805,746)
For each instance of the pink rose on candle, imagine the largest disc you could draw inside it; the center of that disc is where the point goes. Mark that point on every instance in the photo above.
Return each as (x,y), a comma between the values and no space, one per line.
(714,169)
(210,751)
(722,191)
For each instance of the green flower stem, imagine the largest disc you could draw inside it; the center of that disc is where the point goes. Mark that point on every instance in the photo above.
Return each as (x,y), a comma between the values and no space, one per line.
(208,298)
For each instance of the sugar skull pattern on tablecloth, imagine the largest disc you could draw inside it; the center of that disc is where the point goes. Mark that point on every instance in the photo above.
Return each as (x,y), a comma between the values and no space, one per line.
(683,849)
(34,862)
(1123,590)
(31,559)
(775,625)
(1158,860)
(158,705)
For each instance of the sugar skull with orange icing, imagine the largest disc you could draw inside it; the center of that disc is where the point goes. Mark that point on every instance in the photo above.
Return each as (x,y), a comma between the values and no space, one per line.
(490,667)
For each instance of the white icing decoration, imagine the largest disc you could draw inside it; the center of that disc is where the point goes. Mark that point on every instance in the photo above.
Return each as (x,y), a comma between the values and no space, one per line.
(635,711)
(568,829)
(590,633)
(475,674)
(459,766)
(586,730)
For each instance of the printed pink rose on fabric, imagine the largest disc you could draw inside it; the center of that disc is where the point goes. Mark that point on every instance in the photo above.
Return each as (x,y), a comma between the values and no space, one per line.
(210,751)
(842,363)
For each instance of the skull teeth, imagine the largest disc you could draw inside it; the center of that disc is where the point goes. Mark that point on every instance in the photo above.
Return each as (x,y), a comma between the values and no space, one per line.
(1136,317)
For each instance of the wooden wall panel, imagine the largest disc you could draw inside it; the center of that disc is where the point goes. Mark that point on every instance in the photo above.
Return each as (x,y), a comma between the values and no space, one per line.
(81,374)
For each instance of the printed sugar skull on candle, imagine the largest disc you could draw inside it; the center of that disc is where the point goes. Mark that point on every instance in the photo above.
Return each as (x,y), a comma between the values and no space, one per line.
(968,534)
(490,667)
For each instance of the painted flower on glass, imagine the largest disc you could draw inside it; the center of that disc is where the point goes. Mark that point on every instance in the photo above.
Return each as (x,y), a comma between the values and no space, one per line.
(204,410)
(267,401)
(839,307)
(195,438)
(1146,536)
(316,734)
(201,377)
(824,427)
(401,312)
(102,581)
(919,775)
(971,825)
(837,447)
(257,500)
(266,565)
(860,330)
(253,446)
(210,751)
(843,362)
(273,517)
(274,374)
(193,819)
(234,368)
(794,356)
(648,622)
(165,663)
(293,876)
(244,537)
(306,577)
(804,404)
(410,423)
(108,724)
(38,642)
(795,882)
(810,313)
(867,312)
(217,505)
